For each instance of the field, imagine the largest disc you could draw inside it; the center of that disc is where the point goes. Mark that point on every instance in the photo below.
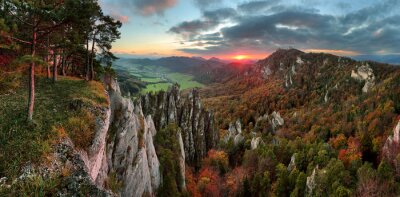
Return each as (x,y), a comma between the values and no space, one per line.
(157,78)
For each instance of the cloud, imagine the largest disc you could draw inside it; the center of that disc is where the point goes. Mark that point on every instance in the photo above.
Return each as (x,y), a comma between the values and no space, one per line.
(257,6)
(186,29)
(121,18)
(141,7)
(204,4)
(150,7)
(267,25)
(209,21)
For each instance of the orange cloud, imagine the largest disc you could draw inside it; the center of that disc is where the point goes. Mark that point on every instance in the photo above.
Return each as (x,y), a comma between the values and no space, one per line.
(333,51)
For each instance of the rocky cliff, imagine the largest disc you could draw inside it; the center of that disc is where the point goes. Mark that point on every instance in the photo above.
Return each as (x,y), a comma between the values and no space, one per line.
(130,154)
(196,124)
(122,159)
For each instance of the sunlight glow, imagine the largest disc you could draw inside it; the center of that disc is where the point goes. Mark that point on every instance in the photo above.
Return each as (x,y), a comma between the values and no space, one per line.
(240,57)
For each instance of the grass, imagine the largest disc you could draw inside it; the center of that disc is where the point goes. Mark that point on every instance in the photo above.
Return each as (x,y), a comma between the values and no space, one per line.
(185,81)
(20,142)
(151,80)
(153,75)
(156,87)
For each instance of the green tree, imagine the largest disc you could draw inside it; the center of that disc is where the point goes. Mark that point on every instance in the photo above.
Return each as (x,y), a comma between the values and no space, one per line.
(282,182)
(299,189)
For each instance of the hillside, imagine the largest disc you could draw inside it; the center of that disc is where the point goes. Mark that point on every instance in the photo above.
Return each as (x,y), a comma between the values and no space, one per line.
(325,118)
(152,75)
(58,116)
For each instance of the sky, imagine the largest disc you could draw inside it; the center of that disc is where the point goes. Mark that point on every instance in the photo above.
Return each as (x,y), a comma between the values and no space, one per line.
(255,28)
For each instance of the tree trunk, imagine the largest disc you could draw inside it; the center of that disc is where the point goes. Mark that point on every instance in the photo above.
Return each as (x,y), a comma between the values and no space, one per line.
(92,58)
(31,101)
(63,63)
(55,70)
(47,58)
(87,58)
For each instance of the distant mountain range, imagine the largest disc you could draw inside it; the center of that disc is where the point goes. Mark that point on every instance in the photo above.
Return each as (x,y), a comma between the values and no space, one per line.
(194,61)
(204,70)
(389,59)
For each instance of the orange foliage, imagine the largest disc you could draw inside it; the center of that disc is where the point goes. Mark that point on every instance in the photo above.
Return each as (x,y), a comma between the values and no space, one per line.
(209,182)
(191,183)
(217,159)
(233,181)
(352,152)
(338,142)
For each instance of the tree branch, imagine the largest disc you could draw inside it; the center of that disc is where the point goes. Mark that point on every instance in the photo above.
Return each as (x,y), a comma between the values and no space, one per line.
(19,40)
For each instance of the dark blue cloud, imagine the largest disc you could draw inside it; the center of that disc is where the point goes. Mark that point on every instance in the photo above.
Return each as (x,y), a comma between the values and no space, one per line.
(267,25)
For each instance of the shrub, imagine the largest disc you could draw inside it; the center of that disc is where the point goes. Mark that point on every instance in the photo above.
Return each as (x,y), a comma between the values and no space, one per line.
(218,160)
(113,183)
(81,128)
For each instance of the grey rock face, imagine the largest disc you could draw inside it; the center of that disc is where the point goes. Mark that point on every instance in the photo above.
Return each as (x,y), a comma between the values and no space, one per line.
(182,158)
(255,142)
(276,120)
(130,149)
(392,145)
(364,73)
(311,182)
(196,124)
(235,133)
(292,163)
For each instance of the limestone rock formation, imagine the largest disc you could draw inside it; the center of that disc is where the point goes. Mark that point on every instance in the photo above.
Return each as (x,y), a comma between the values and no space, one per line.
(130,150)
(255,141)
(292,163)
(276,120)
(235,133)
(392,145)
(196,123)
(311,182)
(364,73)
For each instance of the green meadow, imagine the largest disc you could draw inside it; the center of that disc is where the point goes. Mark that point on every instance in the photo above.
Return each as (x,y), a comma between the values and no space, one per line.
(156,77)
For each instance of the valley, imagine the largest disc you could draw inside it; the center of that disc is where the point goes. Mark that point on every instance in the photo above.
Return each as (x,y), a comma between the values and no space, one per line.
(154,78)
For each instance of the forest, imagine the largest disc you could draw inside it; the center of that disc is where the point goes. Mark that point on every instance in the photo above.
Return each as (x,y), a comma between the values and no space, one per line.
(292,124)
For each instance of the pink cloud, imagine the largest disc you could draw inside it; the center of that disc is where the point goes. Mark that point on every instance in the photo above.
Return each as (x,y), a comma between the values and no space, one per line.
(122,18)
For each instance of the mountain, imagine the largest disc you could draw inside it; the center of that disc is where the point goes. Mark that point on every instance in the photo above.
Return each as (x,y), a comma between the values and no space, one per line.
(176,64)
(310,123)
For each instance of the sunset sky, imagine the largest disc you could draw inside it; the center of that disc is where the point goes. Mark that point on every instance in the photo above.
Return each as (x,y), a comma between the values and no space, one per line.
(253,29)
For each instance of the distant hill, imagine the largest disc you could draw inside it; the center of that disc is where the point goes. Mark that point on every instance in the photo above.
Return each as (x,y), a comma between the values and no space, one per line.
(390,59)
(204,70)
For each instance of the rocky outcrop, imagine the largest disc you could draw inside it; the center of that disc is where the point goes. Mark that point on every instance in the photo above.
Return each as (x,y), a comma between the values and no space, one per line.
(94,156)
(255,141)
(366,74)
(292,164)
(311,182)
(182,163)
(235,133)
(130,154)
(196,124)
(276,120)
(392,145)
(269,122)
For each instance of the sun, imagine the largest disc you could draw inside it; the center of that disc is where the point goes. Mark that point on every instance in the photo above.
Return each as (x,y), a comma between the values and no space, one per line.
(240,57)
